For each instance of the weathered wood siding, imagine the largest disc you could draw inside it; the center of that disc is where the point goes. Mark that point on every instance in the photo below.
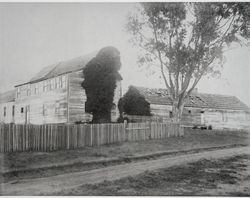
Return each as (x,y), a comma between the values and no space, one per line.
(42,107)
(189,116)
(8,117)
(217,118)
(227,119)
(77,99)
(161,110)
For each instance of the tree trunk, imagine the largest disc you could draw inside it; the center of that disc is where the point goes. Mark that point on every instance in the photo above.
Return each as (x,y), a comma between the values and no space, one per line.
(177,110)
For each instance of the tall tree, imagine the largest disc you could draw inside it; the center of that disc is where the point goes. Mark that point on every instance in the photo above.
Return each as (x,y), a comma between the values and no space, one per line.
(185,41)
(100,76)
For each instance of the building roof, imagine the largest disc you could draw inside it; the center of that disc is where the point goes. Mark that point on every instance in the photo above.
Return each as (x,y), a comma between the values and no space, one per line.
(74,64)
(8,96)
(63,67)
(196,100)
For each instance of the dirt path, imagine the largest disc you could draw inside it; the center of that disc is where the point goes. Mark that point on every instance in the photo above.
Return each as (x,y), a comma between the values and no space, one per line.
(57,183)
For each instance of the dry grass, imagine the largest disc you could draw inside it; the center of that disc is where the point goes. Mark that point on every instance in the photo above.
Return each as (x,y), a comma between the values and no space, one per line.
(193,139)
(58,160)
(204,177)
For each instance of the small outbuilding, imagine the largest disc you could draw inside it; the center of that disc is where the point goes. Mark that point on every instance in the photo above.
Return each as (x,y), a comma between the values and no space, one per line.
(201,109)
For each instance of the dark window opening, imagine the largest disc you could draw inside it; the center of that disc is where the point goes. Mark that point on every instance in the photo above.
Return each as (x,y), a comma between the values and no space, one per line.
(170,114)
(4,111)
(189,111)
(21,109)
(202,111)
(13,110)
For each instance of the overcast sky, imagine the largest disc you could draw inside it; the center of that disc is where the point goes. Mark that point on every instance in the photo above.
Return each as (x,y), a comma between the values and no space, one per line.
(34,35)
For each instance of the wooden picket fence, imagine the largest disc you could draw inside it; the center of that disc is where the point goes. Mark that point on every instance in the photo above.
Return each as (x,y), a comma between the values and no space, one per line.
(65,136)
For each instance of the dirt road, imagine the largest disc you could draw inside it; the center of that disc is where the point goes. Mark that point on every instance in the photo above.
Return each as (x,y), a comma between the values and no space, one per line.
(57,183)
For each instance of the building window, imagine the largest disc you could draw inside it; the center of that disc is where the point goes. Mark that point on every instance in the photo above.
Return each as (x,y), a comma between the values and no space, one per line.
(52,84)
(28,92)
(13,110)
(189,111)
(4,111)
(21,109)
(60,81)
(48,85)
(18,93)
(170,114)
(224,116)
(57,107)
(27,88)
(57,85)
(45,85)
(36,88)
(45,110)
(63,81)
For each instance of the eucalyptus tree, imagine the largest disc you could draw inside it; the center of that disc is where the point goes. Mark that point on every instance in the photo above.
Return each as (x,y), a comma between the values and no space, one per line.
(186,41)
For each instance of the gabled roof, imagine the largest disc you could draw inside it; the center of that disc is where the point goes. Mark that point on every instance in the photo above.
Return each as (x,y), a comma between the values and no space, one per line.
(197,100)
(8,96)
(62,67)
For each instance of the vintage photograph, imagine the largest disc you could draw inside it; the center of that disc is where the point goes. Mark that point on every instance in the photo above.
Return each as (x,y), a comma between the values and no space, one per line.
(125,98)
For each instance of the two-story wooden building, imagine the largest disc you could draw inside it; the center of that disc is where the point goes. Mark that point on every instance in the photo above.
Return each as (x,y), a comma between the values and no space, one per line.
(55,95)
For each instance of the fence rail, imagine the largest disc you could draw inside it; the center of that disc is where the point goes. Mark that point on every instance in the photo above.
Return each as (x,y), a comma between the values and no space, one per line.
(64,136)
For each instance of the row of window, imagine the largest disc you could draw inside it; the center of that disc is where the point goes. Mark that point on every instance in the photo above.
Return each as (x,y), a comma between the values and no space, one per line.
(45,109)
(44,86)
(5,111)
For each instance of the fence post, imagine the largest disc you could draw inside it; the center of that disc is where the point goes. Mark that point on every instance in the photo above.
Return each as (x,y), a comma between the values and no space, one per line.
(125,131)
(67,136)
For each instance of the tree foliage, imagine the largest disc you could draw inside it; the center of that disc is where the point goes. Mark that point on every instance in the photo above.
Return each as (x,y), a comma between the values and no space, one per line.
(185,41)
(100,76)
(133,103)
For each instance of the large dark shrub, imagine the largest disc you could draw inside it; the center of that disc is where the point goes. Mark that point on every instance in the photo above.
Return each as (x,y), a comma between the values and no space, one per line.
(133,103)
(100,76)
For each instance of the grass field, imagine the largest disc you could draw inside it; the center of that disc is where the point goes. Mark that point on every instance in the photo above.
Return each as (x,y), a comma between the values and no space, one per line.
(193,139)
(46,164)
(224,177)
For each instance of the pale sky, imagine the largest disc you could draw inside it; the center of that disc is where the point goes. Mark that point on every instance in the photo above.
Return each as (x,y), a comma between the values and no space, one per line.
(34,35)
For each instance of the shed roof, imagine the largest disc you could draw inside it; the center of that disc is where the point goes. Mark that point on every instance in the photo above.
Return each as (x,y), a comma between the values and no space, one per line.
(197,100)
(8,96)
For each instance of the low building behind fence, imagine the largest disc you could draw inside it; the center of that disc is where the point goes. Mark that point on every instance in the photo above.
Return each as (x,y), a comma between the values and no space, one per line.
(63,136)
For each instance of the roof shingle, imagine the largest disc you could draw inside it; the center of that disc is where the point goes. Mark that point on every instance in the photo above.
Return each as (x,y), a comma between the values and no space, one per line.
(198,100)
(63,67)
